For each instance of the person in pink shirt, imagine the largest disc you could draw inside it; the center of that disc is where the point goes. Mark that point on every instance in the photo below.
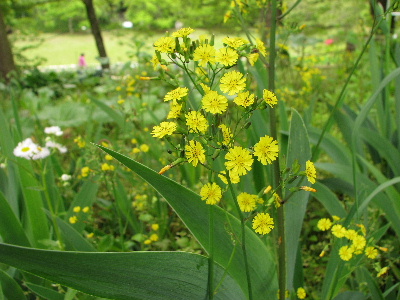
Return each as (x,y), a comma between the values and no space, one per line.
(82,61)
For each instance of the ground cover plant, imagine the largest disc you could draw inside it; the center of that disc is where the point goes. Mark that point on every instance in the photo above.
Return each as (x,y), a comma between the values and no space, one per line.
(208,171)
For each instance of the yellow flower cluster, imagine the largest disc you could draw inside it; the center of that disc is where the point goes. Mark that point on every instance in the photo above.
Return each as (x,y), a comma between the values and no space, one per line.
(77,209)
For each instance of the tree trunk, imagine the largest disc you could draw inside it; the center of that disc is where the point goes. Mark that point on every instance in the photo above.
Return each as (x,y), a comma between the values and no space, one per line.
(6,57)
(91,14)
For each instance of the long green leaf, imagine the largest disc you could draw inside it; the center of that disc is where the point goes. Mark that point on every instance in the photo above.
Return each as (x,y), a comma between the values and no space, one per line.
(329,200)
(11,289)
(124,276)
(109,111)
(45,292)
(295,208)
(195,214)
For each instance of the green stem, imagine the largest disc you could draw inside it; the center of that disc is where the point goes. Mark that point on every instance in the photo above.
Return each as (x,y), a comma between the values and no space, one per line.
(211,254)
(276,167)
(243,230)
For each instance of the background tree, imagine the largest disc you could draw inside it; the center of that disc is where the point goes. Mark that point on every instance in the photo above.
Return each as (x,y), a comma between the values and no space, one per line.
(6,57)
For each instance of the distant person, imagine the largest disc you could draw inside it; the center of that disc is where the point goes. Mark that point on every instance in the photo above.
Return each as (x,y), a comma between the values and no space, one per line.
(82,61)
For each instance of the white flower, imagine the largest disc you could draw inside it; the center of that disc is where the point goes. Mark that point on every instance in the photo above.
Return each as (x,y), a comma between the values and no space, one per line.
(61,148)
(29,150)
(56,130)
(65,177)
(3,166)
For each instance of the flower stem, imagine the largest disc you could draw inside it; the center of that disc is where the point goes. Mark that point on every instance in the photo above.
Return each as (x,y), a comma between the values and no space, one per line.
(211,254)
(276,167)
(243,229)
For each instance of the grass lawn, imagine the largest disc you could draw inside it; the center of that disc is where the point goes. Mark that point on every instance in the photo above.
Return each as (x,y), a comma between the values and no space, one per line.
(65,49)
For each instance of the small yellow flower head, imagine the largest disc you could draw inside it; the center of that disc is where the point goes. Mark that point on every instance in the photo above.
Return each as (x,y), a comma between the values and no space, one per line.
(86,209)
(76,209)
(107,167)
(176,94)
(175,111)
(253,57)
(165,128)
(324,224)
(346,253)
(267,189)
(108,157)
(232,82)
(183,32)
(235,178)
(194,153)
(134,141)
(236,42)
(351,234)
(73,219)
(135,150)
(155,227)
(196,122)
(90,235)
(155,62)
(227,56)
(382,272)
(263,223)
(302,26)
(336,218)
(311,171)
(277,200)
(244,99)
(339,231)
(239,160)
(214,103)
(270,98)
(204,54)
(118,88)
(211,192)
(205,88)
(144,148)
(154,237)
(147,242)
(85,171)
(371,252)
(266,150)
(301,293)
(359,243)
(226,134)
(80,142)
(363,229)
(121,101)
(105,144)
(165,44)
(261,47)
(308,189)
(247,202)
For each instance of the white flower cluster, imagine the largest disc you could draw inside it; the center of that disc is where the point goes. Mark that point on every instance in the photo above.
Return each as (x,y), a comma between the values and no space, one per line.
(29,150)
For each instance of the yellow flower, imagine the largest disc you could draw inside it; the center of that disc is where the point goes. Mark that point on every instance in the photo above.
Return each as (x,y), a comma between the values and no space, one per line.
(85,171)
(351,234)
(236,42)
(266,150)
(244,99)
(135,150)
(108,157)
(301,293)
(155,62)
(263,223)
(324,224)
(253,57)
(196,122)
(227,56)
(214,103)
(90,235)
(338,230)
(165,44)
(232,82)
(211,192)
(183,32)
(371,252)
(270,98)
(261,47)
(155,227)
(205,88)
(76,209)
(226,134)
(176,94)
(147,242)
(107,167)
(73,219)
(80,142)
(175,111)
(194,152)
(247,202)
(235,178)
(346,253)
(311,171)
(359,243)
(86,209)
(144,148)
(204,54)
(382,272)
(165,128)
(154,237)
(121,101)
(239,160)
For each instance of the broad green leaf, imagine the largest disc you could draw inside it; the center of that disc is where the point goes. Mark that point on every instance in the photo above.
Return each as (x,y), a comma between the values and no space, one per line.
(10,227)
(295,208)
(329,200)
(10,288)
(124,276)
(195,214)
(44,292)
(373,286)
(351,295)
